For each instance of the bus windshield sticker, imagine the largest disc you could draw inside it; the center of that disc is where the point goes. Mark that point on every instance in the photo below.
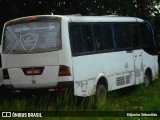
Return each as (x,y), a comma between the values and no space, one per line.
(28,41)
(51,27)
(13,40)
(32,37)
(22,29)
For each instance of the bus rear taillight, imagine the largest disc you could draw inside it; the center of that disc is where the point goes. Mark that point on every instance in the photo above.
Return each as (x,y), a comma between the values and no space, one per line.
(5,74)
(64,71)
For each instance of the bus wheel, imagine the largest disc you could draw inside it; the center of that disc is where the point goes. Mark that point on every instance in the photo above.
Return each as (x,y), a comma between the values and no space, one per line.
(101,94)
(147,79)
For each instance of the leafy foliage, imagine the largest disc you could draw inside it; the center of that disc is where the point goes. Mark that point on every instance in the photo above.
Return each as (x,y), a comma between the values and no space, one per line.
(10,9)
(140,8)
(134,99)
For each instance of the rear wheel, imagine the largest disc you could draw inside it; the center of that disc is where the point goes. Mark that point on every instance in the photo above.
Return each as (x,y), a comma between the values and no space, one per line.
(101,94)
(147,79)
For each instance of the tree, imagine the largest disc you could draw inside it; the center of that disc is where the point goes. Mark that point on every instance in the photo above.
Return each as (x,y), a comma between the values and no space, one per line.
(10,9)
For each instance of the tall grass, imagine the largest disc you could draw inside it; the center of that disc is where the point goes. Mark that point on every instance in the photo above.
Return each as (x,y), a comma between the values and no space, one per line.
(137,98)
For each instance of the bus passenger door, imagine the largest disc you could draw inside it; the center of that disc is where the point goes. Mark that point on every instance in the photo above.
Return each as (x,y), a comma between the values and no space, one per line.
(137,54)
(138,66)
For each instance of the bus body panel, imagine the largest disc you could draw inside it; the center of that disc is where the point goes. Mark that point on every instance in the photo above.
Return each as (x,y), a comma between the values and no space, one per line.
(29,60)
(48,78)
(138,66)
(148,61)
(65,56)
(117,66)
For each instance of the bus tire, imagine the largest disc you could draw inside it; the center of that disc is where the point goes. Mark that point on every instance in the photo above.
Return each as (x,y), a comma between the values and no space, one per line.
(147,79)
(101,94)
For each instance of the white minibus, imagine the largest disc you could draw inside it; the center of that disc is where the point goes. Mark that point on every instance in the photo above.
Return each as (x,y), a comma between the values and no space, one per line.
(91,54)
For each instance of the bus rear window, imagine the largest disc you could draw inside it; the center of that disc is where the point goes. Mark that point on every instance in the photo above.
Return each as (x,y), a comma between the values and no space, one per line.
(32,37)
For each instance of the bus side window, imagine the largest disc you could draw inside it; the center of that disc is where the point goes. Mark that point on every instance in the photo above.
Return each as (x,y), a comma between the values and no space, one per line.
(134,36)
(147,38)
(87,38)
(98,37)
(121,35)
(107,37)
(76,39)
(103,37)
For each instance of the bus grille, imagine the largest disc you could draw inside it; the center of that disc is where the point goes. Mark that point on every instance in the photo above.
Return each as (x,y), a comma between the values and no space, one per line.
(123,80)
(120,81)
(127,79)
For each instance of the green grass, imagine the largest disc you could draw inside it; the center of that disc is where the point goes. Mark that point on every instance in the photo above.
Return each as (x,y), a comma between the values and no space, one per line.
(138,98)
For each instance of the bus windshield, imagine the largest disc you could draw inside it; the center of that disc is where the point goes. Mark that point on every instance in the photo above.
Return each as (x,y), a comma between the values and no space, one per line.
(32,37)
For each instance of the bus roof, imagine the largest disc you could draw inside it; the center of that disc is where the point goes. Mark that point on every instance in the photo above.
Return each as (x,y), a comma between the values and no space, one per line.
(79,18)
(104,19)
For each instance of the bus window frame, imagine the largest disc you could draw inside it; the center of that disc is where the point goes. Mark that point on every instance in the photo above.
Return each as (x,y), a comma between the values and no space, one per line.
(115,49)
(152,39)
(113,33)
(93,36)
(138,33)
